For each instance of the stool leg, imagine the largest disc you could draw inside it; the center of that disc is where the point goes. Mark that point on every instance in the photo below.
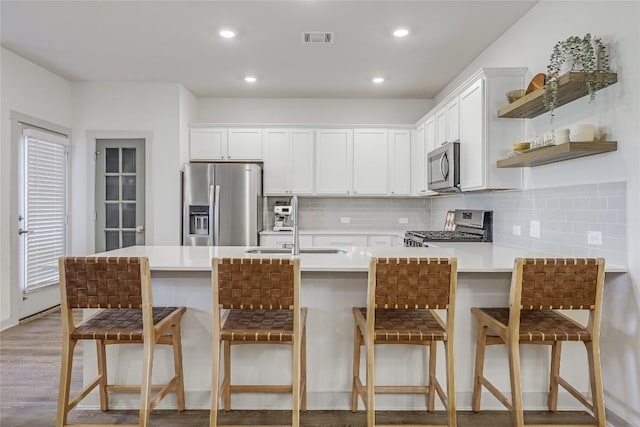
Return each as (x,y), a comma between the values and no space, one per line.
(176,340)
(595,376)
(215,374)
(433,346)
(556,349)
(481,342)
(148,347)
(371,410)
(226,382)
(66,365)
(102,373)
(516,383)
(357,342)
(451,392)
(303,369)
(295,389)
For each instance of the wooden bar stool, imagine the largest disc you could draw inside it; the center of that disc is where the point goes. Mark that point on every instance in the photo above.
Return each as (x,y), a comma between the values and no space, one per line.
(540,287)
(402,296)
(121,287)
(261,302)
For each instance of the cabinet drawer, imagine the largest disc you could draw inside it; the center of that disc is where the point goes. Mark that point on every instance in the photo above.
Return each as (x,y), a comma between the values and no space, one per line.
(277,241)
(379,241)
(339,240)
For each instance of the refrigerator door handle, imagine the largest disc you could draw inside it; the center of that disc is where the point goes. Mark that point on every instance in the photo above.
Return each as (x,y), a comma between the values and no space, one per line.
(215,208)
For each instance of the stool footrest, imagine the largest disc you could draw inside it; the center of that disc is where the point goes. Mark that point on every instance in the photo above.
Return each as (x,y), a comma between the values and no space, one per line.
(260,388)
(83,393)
(501,397)
(575,393)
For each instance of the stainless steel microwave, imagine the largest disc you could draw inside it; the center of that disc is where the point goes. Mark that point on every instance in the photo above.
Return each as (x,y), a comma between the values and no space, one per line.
(443,166)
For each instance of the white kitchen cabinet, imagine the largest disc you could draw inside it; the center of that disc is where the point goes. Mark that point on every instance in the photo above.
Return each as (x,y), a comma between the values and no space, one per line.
(339,240)
(483,136)
(288,161)
(334,161)
(244,144)
(419,162)
(370,162)
(440,125)
(212,144)
(453,120)
(379,240)
(208,144)
(280,240)
(400,162)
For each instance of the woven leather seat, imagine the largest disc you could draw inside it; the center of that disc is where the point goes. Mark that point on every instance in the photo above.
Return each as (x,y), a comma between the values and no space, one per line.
(406,325)
(541,325)
(121,288)
(260,299)
(403,292)
(540,287)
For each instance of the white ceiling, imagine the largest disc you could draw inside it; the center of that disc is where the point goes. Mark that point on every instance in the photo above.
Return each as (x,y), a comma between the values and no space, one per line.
(177,41)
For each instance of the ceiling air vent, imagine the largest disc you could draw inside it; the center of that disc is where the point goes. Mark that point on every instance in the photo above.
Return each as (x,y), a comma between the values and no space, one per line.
(317,37)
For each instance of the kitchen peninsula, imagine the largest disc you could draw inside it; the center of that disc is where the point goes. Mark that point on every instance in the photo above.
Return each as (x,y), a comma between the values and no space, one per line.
(331,285)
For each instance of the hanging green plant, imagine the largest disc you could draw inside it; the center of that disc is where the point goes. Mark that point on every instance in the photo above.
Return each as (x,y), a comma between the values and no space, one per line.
(588,55)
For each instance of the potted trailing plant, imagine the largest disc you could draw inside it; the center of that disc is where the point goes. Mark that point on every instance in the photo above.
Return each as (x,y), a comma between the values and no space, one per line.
(586,54)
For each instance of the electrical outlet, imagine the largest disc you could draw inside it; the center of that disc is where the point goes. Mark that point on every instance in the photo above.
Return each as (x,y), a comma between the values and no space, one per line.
(403,220)
(594,238)
(534,229)
(517,230)
(345,220)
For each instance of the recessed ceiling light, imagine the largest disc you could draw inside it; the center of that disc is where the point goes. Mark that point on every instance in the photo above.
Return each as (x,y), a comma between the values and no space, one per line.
(250,79)
(401,32)
(227,33)
(377,80)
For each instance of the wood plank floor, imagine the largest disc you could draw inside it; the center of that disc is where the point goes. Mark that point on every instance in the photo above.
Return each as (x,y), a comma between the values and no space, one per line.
(29,370)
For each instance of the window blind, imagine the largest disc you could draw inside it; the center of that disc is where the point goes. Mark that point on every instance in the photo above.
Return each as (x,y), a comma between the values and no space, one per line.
(45,210)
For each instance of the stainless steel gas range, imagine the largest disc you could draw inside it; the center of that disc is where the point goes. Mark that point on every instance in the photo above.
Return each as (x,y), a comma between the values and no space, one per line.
(469,226)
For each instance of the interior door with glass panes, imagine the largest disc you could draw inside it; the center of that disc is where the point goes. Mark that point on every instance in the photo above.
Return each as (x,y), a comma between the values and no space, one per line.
(119,193)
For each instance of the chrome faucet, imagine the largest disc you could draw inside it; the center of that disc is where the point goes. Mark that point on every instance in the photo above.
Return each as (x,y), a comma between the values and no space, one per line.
(296,231)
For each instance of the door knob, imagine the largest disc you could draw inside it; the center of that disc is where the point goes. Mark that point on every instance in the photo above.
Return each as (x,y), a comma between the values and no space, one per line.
(139,229)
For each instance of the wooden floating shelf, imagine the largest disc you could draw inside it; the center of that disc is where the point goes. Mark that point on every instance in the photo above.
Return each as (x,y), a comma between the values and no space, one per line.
(557,153)
(571,86)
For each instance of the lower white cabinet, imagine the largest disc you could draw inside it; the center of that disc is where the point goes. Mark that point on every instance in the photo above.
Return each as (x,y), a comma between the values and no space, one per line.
(279,240)
(339,240)
(381,240)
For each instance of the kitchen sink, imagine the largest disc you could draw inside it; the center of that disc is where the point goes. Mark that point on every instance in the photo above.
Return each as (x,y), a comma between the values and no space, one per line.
(285,251)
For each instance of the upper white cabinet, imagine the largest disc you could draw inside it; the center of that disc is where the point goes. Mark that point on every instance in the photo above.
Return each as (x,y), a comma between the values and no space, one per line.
(419,162)
(453,120)
(212,144)
(244,144)
(334,160)
(288,161)
(440,125)
(370,162)
(483,136)
(208,144)
(400,162)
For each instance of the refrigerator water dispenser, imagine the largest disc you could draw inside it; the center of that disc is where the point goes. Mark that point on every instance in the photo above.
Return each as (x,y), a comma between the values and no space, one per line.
(199,220)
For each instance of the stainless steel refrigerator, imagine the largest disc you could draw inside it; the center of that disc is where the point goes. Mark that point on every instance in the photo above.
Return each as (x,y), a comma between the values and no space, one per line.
(221,204)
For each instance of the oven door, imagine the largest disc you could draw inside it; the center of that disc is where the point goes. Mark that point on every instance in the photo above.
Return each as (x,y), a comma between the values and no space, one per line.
(443,167)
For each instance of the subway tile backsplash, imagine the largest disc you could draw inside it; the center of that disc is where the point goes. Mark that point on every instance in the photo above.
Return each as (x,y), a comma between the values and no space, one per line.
(363,213)
(566,215)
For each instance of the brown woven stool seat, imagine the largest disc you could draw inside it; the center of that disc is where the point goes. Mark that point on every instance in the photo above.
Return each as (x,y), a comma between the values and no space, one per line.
(119,324)
(541,325)
(402,299)
(542,291)
(258,325)
(117,290)
(406,325)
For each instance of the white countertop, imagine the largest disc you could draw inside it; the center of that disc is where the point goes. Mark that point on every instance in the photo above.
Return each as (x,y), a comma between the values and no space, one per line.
(472,257)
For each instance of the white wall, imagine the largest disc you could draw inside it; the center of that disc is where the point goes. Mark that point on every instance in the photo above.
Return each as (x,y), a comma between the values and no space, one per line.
(128,108)
(188,114)
(616,109)
(312,110)
(31,90)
